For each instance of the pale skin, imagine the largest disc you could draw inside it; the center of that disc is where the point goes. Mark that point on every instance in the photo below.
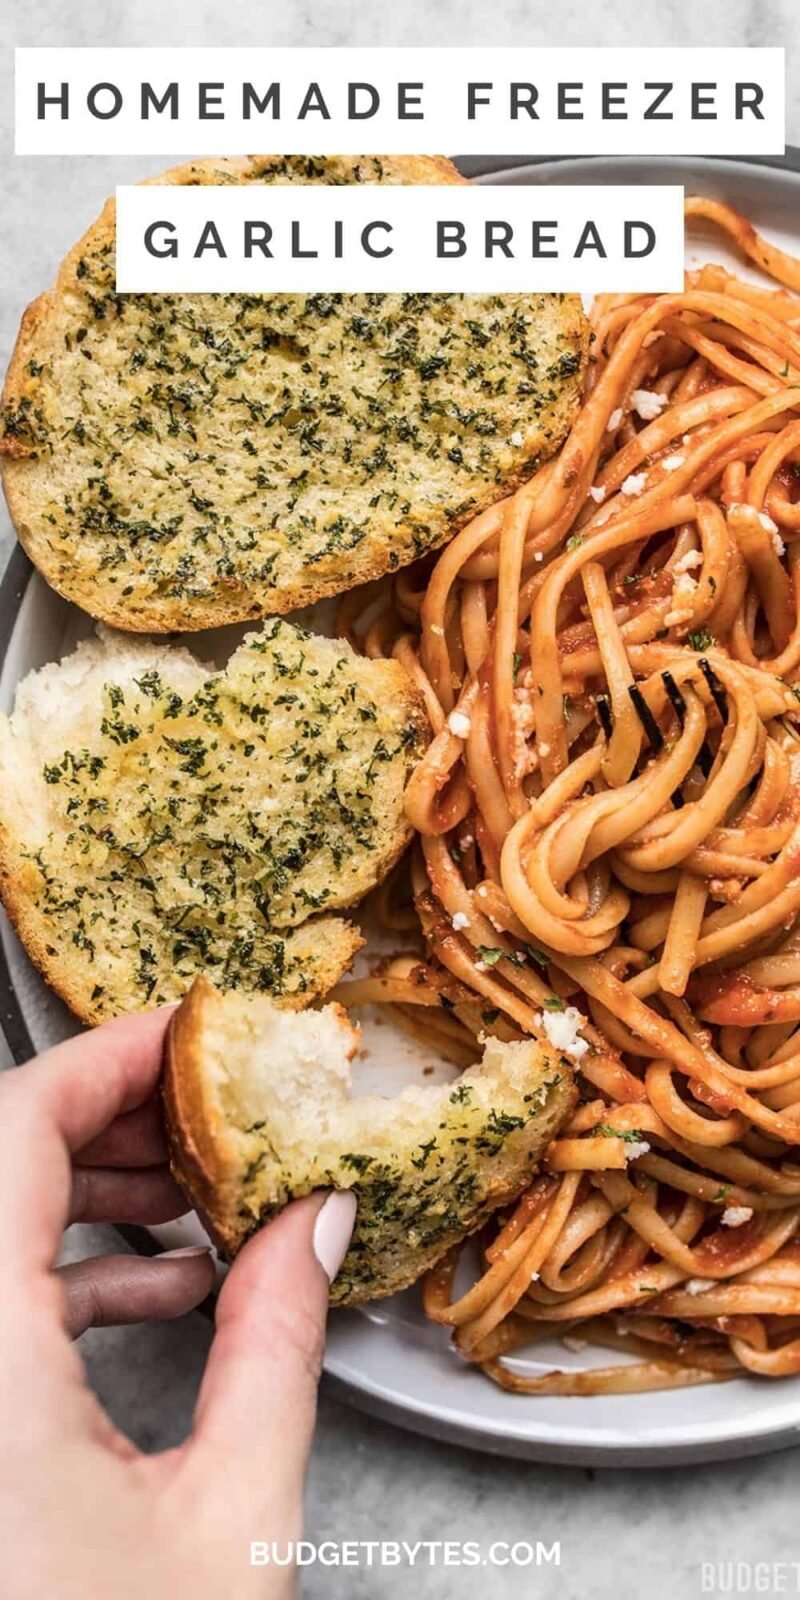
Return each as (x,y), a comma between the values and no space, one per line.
(82,1510)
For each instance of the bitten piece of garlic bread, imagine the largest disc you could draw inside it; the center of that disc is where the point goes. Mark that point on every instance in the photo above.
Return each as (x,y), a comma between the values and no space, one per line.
(260,1112)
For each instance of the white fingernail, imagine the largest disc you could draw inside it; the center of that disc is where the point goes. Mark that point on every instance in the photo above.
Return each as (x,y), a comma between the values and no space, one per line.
(333,1229)
(186,1250)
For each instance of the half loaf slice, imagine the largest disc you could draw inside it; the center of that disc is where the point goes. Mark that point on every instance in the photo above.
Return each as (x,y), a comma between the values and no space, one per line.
(259,1112)
(178,461)
(159,819)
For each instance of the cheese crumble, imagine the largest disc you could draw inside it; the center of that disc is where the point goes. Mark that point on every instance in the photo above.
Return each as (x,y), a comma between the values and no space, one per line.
(683,595)
(648,404)
(562,1030)
(459,724)
(636,1148)
(692,558)
(635,483)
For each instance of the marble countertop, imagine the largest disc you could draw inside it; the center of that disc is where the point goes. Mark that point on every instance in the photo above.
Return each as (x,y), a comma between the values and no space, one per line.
(622,1532)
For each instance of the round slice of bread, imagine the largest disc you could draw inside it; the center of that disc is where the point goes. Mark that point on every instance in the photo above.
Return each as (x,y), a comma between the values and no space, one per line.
(159,819)
(260,1112)
(174,462)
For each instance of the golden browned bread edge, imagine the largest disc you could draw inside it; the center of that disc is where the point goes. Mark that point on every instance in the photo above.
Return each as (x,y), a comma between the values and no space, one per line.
(195,1131)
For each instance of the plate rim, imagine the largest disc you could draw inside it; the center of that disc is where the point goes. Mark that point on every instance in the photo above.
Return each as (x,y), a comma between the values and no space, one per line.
(416,1416)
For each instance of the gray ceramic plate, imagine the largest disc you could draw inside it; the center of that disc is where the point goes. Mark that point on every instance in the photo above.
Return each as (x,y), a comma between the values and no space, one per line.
(388,1360)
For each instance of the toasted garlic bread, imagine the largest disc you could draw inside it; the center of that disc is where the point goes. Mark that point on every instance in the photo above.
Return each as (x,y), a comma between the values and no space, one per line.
(158,819)
(176,462)
(259,1112)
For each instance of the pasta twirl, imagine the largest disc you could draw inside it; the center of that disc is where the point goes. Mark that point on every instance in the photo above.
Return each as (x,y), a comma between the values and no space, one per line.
(608,841)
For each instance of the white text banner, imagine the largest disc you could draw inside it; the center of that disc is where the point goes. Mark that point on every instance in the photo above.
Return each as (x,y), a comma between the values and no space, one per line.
(354,239)
(321,101)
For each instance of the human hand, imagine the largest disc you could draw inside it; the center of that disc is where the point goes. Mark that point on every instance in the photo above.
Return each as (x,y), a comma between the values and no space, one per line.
(85,1512)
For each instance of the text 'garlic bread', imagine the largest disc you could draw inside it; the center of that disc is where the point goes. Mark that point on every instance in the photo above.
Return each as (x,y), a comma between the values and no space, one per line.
(180,461)
(260,1112)
(159,819)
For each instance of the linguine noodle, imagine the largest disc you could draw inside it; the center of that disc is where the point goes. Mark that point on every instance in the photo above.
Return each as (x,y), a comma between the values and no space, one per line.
(608,850)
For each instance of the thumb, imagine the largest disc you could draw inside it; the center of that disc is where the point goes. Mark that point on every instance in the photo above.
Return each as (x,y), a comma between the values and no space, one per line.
(257,1403)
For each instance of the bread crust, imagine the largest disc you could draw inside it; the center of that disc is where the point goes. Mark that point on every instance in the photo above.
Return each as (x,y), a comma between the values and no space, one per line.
(233,599)
(196,1131)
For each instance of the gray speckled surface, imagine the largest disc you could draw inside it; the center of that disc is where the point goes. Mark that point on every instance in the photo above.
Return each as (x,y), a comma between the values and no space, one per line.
(623,1533)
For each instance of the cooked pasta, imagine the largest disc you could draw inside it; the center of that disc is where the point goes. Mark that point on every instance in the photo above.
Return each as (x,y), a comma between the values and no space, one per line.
(608,850)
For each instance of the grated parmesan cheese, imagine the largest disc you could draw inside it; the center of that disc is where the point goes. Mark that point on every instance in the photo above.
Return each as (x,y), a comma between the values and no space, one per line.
(672,463)
(614,420)
(635,483)
(597,495)
(459,921)
(562,1030)
(459,724)
(699,1285)
(635,1148)
(736,1216)
(692,558)
(516,439)
(648,403)
(683,593)
(767,522)
(778,544)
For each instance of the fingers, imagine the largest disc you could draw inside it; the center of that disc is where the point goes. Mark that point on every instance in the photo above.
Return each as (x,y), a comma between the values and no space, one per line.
(89,1080)
(258,1397)
(110,1194)
(120,1289)
(136,1139)
(57,1104)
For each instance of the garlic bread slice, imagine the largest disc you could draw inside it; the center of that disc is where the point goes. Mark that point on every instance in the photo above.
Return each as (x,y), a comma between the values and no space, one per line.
(175,462)
(159,819)
(260,1112)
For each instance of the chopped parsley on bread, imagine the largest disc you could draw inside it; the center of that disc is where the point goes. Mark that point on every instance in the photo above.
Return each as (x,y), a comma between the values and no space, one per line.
(159,819)
(259,1112)
(177,462)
